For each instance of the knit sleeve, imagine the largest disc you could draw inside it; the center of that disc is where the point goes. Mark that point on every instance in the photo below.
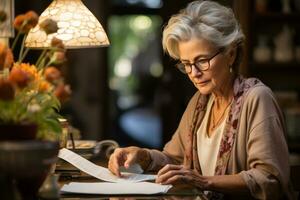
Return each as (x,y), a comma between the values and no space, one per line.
(173,152)
(268,174)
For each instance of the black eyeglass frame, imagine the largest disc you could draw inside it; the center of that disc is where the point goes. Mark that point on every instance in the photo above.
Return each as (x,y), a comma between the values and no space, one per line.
(182,67)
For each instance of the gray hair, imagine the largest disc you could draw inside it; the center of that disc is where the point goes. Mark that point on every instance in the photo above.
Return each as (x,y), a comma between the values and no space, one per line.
(204,19)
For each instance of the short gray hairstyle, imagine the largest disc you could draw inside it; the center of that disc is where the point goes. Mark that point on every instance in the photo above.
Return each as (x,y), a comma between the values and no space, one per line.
(204,19)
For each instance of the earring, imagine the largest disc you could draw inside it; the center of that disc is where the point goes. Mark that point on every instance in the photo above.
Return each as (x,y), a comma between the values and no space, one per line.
(230,70)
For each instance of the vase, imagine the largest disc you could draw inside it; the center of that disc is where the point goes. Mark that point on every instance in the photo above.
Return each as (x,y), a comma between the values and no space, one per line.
(24,165)
(283,51)
(262,52)
(50,188)
(17,132)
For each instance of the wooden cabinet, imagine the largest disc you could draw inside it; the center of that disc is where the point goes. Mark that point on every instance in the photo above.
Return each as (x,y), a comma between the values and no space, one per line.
(272,54)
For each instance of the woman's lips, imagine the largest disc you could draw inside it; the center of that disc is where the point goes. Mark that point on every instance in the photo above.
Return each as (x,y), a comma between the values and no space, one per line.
(202,82)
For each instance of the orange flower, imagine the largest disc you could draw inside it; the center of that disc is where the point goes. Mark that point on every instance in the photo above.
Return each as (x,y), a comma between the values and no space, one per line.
(6,57)
(29,69)
(19,77)
(3,49)
(63,92)
(44,86)
(9,60)
(24,23)
(55,42)
(49,26)
(52,74)
(19,20)
(7,91)
(58,57)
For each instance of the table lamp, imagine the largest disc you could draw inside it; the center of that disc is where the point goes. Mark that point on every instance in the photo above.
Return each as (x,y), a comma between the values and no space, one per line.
(77,27)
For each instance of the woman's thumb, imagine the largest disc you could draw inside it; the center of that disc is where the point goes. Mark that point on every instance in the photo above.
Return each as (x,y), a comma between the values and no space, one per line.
(129,161)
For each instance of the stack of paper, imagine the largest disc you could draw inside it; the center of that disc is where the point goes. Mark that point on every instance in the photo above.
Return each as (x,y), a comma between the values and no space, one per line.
(125,185)
(115,188)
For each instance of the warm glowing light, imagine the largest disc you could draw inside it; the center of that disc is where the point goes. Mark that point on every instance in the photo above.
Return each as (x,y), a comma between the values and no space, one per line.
(77,27)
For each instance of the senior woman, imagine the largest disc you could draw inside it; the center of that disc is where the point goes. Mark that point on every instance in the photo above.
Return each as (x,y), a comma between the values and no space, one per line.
(231,137)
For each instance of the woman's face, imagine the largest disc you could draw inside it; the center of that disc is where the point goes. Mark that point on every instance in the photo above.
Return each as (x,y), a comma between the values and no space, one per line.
(218,73)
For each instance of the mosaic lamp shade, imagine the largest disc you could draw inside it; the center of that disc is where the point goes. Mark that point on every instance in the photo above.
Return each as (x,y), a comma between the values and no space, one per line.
(77,27)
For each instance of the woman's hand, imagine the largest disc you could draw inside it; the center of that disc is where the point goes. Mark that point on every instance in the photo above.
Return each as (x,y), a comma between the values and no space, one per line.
(179,174)
(127,157)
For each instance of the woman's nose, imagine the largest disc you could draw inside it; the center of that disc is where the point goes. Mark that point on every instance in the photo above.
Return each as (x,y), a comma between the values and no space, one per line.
(195,71)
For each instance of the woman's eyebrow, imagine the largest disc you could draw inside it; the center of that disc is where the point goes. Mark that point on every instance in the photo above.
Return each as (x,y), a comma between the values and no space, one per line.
(196,58)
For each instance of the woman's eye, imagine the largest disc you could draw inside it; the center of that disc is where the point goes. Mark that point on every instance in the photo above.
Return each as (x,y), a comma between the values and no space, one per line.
(202,61)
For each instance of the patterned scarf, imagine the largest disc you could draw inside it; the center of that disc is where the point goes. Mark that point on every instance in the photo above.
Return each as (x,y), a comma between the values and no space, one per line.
(240,88)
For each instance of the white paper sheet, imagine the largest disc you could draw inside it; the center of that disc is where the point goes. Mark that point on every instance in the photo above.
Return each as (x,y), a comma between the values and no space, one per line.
(115,188)
(99,172)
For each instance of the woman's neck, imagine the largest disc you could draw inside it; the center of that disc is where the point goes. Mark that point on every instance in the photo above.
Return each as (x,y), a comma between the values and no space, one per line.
(224,95)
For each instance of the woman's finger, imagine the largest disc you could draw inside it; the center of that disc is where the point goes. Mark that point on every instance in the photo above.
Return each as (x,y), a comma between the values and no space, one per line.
(177,179)
(164,177)
(114,166)
(131,158)
(117,160)
(169,167)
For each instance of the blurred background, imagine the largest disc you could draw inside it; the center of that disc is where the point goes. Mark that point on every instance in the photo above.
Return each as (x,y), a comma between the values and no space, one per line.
(131,91)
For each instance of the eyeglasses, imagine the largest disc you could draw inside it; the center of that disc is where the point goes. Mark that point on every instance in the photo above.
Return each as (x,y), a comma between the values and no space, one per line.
(201,64)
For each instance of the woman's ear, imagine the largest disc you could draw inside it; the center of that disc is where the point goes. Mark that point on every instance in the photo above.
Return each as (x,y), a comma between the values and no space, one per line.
(232,54)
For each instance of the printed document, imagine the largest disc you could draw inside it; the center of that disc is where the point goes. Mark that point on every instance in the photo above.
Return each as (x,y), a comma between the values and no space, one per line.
(99,172)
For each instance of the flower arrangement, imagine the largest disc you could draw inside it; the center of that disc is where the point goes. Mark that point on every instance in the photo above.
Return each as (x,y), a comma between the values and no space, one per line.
(32,93)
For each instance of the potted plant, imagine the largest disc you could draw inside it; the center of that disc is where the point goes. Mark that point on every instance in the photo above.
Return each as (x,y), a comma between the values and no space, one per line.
(30,93)
(30,99)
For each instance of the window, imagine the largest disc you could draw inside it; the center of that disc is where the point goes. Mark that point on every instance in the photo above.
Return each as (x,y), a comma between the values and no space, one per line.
(135,68)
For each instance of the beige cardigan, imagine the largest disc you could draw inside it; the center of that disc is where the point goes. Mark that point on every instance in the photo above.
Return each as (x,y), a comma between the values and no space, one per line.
(260,153)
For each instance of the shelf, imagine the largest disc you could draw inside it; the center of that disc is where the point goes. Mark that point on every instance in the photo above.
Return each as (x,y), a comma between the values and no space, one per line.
(276,75)
(276,17)
(275,66)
